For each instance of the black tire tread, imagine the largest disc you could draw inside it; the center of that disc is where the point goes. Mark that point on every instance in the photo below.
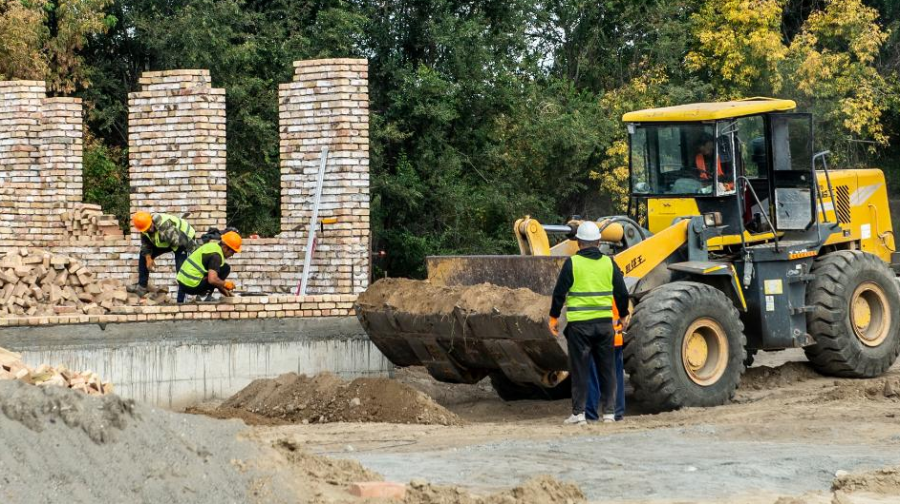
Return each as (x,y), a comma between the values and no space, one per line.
(837,351)
(647,358)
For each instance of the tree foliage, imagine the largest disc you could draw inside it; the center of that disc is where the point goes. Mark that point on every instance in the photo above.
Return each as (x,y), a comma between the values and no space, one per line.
(42,40)
(482,111)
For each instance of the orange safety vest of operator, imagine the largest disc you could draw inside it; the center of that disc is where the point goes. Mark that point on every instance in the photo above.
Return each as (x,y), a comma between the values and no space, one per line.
(700,161)
(618,340)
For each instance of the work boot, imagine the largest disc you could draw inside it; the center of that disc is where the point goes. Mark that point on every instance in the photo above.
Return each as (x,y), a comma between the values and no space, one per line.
(138,289)
(208,298)
(609,418)
(575,420)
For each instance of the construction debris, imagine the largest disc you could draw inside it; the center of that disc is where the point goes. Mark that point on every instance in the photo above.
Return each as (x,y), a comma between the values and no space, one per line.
(86,220)
(34,282)
(12,368)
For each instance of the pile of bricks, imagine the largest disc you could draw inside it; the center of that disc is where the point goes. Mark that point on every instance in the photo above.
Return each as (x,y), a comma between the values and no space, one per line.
(35,282)
(86,221)
(12,368)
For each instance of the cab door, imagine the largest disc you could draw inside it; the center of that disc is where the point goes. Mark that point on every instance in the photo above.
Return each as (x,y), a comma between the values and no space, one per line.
(792,177)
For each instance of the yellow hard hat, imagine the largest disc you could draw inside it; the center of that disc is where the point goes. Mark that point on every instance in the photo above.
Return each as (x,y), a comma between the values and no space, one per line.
(142,221)
(233,240)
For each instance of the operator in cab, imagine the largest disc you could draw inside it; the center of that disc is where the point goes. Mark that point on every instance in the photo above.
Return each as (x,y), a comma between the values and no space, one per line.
(589,285)
(705,158)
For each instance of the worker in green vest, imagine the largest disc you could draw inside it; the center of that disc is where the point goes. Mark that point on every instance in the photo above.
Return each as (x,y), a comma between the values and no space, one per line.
(206,269)
(160,234)
(588,285)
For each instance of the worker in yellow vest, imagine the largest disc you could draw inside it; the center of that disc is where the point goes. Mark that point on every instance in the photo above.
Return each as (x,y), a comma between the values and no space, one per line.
(593,397)
(206,269)
(589,284)
(160,234)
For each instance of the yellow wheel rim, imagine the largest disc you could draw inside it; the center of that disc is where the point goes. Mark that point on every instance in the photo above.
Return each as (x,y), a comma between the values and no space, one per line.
(704,351)
(869,314)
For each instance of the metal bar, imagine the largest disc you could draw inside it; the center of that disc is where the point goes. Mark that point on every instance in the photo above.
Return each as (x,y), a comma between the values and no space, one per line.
(313,224)
(556,228)
(763,210)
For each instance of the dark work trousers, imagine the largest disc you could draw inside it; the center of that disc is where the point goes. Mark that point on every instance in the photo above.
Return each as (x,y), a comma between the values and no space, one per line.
(204,288)
(144,273)
(592,340)
(593,398)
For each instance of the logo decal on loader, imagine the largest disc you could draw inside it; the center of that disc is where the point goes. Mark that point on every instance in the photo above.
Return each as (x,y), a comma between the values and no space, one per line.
(634,263)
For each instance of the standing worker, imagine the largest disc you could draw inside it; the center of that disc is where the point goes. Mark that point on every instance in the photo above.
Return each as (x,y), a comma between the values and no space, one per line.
(593,396)
(206,270)
(160,233)
(588,285)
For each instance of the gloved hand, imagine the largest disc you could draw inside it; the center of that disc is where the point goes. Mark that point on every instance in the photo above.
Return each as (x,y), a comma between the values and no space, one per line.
(554,326)
(151,264)
(229,285)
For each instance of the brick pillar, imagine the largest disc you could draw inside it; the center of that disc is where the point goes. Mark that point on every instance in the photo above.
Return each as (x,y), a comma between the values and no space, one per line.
(62,149)
(40,162)
(328,104)
(176,139)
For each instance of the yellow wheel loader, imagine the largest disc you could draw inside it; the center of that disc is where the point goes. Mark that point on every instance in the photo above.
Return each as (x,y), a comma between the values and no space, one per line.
(749,242)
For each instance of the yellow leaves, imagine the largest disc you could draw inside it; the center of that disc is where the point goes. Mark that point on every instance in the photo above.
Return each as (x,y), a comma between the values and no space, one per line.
(613,174)
(828,68)
(739,42)
(832,63)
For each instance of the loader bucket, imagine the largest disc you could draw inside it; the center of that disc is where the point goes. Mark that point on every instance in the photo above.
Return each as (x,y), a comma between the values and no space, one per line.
(461,328)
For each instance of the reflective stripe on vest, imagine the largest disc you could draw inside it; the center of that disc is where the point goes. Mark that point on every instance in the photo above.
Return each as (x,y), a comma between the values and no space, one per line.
(193,272)
(590,296)
(181,224)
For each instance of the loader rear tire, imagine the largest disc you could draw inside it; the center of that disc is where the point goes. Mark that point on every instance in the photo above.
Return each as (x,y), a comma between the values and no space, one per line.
(509,390)
(687,347)
(856,322)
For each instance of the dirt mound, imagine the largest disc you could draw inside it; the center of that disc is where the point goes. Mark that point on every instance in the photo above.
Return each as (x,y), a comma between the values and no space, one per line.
(60,445)
(420,297)
(538,490)
(884,390)
(882,481)
(765,377)
(326,398)
(330,470)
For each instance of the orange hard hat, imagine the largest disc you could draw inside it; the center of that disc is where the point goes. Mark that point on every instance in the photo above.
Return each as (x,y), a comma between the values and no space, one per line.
(142,221)
(233,240)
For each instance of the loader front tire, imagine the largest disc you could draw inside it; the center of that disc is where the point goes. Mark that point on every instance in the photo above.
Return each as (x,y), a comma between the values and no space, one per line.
(856,321)
(686,347)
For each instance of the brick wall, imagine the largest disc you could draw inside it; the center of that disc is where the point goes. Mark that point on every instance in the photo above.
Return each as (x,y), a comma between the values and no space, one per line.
(177,164)
(40,162)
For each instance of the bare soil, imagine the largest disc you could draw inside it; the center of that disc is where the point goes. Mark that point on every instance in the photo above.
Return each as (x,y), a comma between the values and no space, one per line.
(324,398)
(784,438)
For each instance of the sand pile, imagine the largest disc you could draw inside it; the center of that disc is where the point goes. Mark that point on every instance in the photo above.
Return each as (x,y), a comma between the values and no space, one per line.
(420,297)
(327,398)
(60,445)
(884,390)
(766,378)
(882,481)
(539,490)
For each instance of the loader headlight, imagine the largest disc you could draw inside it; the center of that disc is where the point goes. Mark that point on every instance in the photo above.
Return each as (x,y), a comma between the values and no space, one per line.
(712,219)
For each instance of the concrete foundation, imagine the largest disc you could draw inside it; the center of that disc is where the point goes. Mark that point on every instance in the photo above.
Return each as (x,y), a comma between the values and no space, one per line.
(178,363)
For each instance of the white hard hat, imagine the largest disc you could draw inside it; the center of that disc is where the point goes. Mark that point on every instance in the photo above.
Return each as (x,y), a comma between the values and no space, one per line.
(588,231)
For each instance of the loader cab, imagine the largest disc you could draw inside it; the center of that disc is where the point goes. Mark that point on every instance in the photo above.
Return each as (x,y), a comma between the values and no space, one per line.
(748,160)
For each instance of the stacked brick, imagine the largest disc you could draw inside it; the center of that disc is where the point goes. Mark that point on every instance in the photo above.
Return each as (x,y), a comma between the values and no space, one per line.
(177,164)
(243,307)
(87,222)
(328,105)
(176,146)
